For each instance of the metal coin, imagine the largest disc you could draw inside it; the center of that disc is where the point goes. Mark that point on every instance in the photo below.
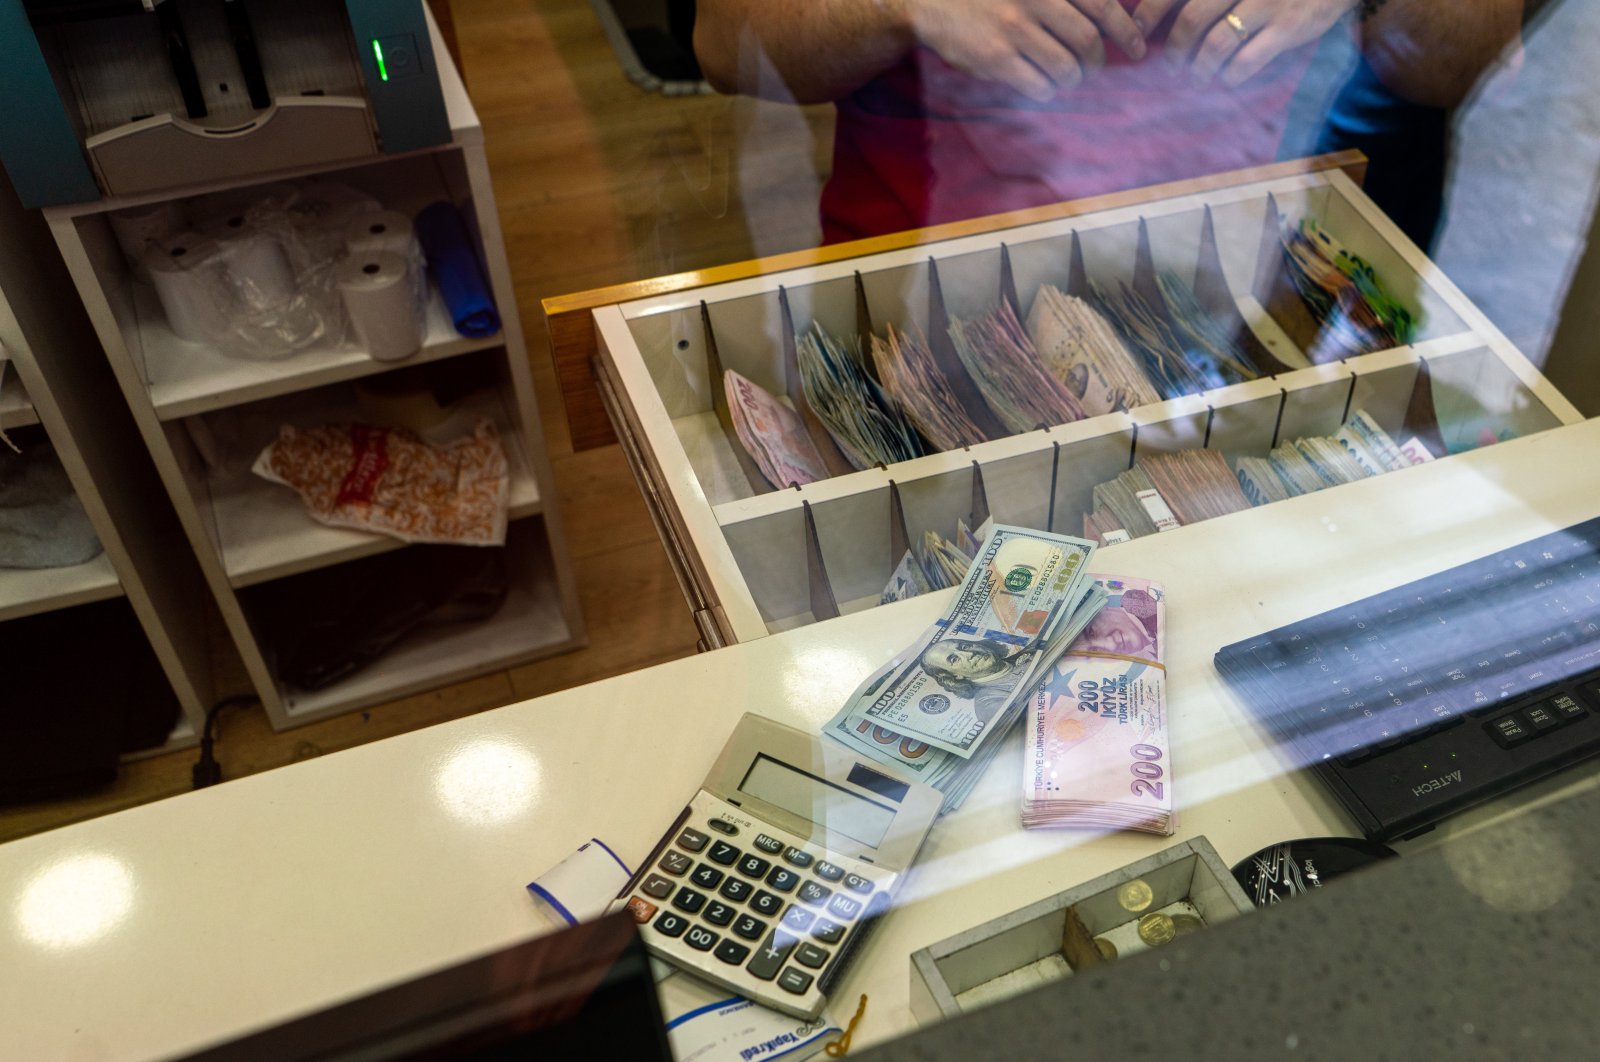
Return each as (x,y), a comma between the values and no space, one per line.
(1156,929)
(1108,950)
(1135,896)
(1186,924)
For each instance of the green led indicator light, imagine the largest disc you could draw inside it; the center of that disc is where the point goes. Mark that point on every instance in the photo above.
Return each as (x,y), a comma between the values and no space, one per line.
(377,50)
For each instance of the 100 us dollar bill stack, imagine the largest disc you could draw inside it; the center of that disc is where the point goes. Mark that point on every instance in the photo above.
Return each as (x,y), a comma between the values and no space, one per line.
(940,709)
(1098,754)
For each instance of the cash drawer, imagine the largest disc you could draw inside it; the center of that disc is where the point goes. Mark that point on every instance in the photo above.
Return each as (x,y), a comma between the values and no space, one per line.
(753,560)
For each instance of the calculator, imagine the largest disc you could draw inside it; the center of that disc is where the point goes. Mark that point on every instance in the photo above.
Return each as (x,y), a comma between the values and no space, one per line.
(770,881)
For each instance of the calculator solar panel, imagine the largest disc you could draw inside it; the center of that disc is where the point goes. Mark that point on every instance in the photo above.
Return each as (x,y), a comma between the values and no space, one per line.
(1415,703)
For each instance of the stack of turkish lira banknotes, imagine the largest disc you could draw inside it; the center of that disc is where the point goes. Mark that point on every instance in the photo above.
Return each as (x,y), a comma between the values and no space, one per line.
(1343,294)
(1161,493)
(1359,449)
(935,563)
(1098,753)
(940,709)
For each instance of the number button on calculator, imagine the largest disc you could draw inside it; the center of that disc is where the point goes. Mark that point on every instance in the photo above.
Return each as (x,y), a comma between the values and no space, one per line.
(783,880)
(671,925)
(719,914)
(753,866)
(736,890)
(706,876)
(749,928)
(765,903)
(688,900)
(722,852)
(700,938)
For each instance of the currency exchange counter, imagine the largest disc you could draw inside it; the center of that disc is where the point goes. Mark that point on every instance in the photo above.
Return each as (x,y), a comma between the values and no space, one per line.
(158,930)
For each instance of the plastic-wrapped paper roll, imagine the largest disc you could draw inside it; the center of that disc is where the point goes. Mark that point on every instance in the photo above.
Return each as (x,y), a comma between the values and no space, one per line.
(377,294)
(136,228)
(381,230)
(256,262)
(188,273)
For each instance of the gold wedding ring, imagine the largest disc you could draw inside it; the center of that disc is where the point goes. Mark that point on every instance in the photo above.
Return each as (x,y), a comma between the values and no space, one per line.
(1232,19)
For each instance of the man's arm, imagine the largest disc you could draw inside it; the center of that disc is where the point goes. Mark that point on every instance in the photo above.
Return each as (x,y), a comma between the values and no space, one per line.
(1433,52)
(822,50)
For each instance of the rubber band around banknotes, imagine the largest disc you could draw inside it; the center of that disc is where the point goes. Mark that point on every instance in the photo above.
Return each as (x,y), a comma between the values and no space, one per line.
(840,1047)
(1118,656)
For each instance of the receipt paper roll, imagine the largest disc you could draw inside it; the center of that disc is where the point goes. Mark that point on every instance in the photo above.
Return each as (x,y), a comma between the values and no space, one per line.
(256,261)
(581,886)
(380,230)
(377,295)
(136,228)
(188,273)
(454,264)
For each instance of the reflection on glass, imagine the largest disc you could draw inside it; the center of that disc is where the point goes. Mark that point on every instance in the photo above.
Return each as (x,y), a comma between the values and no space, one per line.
(487,782)
(75,901)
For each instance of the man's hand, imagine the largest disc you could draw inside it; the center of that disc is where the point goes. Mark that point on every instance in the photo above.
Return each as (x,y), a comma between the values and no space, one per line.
(1241,47)
(1038,47)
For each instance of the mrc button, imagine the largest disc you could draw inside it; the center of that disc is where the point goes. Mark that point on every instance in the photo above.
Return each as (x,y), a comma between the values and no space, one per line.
(1509,731)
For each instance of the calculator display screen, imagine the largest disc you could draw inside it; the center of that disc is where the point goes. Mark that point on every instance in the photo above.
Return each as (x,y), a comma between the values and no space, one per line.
(817,800)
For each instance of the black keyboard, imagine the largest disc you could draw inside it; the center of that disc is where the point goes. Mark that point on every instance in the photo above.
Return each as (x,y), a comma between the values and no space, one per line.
(1423,700)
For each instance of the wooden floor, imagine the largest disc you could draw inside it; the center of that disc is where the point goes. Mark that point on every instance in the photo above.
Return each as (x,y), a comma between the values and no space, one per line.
(597,183)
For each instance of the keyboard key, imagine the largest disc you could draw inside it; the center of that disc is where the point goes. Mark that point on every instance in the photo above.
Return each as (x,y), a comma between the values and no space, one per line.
(749,928)
(814,894)
(718,914)
(1566,707)
(656,887)
(675,863)
(792,980)
(842,906)
(723,853)
(700,938)
(769,845)
(828,872)
(1508,731)
(765,903)
(857,883)
(724,826)
(753,866)
(671,925)
(827,932)
(770,956)
(808,954)
(795,857)
(1541,716)
(692,840)
(736,890)
(689,900)
(731,952)
(706,876)
(797,919)
(641,909)
(783,879)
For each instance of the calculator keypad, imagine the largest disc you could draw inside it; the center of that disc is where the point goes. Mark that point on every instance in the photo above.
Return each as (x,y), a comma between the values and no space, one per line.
(768,910)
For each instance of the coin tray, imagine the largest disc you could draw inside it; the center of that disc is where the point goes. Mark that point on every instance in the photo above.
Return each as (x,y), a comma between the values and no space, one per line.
(1022,950)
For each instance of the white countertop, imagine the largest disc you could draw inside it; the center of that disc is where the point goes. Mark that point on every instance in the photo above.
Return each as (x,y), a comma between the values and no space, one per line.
(173,925)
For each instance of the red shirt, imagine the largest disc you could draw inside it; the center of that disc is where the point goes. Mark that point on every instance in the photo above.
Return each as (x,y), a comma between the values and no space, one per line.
(924,143)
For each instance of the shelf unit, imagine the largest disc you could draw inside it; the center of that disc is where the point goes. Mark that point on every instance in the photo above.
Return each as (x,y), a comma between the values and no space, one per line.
(205,417)
(55,385)
(754,561)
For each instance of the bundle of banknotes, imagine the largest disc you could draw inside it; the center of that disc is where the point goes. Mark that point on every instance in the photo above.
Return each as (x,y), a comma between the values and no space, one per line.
(1359,449)
(864,422)
(923,393)
(771,433)
(936,563)
(939,710)
(1343,294)
(1162,493)
(1009,373)
(1081,349)
(1098,755)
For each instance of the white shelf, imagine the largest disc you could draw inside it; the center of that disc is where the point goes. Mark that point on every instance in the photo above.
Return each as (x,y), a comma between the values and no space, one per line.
(262,527)
(529,625)
(25,591)
(16,411)
(189,378)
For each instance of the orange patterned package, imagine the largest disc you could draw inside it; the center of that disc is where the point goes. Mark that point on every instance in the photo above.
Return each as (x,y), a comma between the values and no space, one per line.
(391,481)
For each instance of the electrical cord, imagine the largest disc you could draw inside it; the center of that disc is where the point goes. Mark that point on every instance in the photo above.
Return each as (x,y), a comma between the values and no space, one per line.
(207,771)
